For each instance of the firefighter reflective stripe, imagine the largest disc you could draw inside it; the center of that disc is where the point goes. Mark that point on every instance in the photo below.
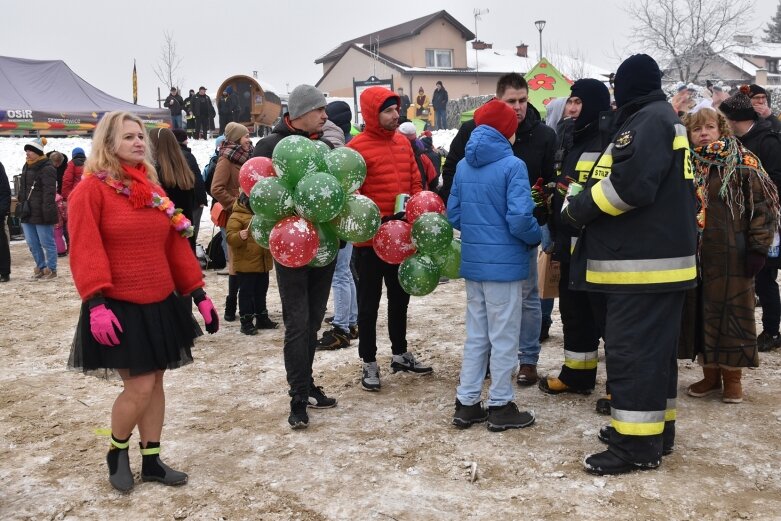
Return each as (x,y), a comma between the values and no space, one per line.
(671,413)
(584,165)
(575,360)
(607,199)
(637,423)
(604,165)
(681,142)
(641,271)
(573,241)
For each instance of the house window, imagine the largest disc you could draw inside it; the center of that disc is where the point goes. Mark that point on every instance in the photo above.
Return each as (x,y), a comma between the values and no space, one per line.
(772,66)
(439,58)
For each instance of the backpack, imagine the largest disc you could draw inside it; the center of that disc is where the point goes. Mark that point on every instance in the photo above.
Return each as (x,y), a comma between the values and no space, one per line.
(214,253)
(208,173)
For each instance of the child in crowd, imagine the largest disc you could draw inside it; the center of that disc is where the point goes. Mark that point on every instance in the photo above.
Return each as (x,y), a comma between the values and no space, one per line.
(252,264)
(491,203)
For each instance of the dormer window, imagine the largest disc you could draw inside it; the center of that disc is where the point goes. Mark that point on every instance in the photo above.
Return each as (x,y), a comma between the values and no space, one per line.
(439,58)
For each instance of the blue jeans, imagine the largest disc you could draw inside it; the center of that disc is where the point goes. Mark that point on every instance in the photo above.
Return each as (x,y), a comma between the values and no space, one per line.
(40,240)
(440,118)
(493,322)
(343,289)
(177,121)
(529,343)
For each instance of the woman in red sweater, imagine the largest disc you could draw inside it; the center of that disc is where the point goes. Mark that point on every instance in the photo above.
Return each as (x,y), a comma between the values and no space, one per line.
(129,259)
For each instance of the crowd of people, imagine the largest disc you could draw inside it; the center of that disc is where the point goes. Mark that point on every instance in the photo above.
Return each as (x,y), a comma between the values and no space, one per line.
(662,214)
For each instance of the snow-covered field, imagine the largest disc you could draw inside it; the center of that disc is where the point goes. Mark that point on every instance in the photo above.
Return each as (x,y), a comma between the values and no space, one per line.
(391,455)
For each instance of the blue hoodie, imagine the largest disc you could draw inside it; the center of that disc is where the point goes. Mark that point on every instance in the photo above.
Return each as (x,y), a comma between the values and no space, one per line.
(490,202)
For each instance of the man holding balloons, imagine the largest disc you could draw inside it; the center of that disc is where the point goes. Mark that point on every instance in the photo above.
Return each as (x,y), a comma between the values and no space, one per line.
(391,172)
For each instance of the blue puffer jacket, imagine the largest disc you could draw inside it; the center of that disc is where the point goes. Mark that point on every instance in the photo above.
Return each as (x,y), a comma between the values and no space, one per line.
(490,202)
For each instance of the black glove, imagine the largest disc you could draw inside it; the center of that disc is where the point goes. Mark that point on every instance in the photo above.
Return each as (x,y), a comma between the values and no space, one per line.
(541,214)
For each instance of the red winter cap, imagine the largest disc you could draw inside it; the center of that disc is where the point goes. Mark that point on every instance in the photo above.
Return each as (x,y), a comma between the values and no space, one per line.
(499,115)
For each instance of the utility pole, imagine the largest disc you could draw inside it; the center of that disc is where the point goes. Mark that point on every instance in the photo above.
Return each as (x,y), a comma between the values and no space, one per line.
(477,13)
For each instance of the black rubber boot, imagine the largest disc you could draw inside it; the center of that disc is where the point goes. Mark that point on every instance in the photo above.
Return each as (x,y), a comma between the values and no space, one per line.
(232,298)
(119,474)
(152,469)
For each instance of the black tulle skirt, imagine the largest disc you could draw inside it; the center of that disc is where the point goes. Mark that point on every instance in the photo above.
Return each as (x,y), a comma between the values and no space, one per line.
(155,337)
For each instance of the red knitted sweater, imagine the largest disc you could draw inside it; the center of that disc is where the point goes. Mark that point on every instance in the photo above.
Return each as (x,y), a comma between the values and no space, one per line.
(127,254)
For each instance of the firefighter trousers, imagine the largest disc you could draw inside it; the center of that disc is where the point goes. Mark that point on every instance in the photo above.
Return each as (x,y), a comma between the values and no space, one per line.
(641,339)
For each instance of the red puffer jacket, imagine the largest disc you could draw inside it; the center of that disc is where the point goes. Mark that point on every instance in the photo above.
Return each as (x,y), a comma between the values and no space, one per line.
(390,163)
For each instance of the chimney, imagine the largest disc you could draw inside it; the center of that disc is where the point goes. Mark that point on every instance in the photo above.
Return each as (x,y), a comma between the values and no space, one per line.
(761,77)
(521,50)
(479,45)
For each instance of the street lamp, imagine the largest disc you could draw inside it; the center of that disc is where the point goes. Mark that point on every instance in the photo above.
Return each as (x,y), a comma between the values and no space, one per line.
(540,25)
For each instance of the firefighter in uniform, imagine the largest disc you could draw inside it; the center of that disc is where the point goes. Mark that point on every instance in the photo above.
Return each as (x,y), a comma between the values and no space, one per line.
(588,99)
(637,248)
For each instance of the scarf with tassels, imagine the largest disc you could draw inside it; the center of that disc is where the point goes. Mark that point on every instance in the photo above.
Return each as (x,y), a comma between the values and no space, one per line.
(142,193)
(733,163)
(235,153)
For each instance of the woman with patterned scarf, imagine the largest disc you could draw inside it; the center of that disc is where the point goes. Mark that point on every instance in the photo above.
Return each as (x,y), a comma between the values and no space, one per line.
(737,217)
(129,260)
(233,152)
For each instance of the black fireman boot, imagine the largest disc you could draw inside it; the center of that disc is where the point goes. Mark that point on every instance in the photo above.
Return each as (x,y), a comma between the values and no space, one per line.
(152,469)
(119,473)
(232,298)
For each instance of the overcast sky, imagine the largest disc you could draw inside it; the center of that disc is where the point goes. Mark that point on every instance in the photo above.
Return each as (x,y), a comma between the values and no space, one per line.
(99,39)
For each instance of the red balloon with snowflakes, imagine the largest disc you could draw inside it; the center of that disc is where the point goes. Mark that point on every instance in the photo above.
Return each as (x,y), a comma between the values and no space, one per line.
(253,170)
(423,202)
(393,242)
(293,242)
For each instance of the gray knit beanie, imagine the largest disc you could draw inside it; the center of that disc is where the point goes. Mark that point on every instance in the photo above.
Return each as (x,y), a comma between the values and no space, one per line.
(303,99)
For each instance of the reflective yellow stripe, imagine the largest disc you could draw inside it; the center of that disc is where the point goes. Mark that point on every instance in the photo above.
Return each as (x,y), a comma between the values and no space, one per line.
(581,361)
(688,171)
(607,199)
(681,139)
(572,243)
(584,165)
(120,445)
(605,164)
(671,413)
(637,423)
(641,271)
(149,452)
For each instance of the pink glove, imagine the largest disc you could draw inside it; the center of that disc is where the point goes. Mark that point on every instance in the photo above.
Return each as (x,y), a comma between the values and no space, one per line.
(102,322)
(209,314)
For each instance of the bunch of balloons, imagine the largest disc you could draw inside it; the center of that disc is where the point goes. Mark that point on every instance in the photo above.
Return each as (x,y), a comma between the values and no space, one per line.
(304,203)
(423,245)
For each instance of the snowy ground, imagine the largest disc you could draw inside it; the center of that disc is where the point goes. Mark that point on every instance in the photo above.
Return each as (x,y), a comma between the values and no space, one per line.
(388,455)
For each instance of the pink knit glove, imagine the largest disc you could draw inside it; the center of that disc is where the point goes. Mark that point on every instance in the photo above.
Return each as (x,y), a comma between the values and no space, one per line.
(101,323)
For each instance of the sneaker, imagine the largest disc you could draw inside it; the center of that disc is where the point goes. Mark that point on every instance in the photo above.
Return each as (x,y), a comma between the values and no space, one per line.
(248,329)
(605,432)
(552,385)
(507,416)
(333,339)
(466,415)
(353,332)
(48,274)
(5,278)
(603,405)
(370,379)
(767,342)
(298,418)
(318,399)
(37,273)
(443,280)
(407,362)
(527,375)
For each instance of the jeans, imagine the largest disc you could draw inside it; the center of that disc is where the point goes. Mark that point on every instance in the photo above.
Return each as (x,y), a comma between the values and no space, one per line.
(304,294)
(344,291)
(766,288)
(531,320)
(371,273)
(5,250)
(40,240)
(177,121)
(493,323)
(440,118)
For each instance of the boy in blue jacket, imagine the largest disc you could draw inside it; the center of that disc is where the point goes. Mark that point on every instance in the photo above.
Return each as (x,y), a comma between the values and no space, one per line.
(490,202)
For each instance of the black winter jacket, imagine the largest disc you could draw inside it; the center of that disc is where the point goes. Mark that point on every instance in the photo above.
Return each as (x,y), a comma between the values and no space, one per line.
(535,144)
(5,194)
(766,145)
(202,106)
(175,104)
(200,187)
(40,182)
(439,100)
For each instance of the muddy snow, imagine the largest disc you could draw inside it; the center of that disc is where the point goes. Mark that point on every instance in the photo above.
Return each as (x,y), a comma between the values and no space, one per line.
(388,455)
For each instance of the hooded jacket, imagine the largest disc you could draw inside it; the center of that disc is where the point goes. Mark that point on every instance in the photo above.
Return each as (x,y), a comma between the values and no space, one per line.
(248,256)
(490,202)
(535,143)
(390,162)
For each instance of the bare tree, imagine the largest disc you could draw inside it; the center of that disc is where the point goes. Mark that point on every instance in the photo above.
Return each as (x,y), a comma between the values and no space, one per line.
(167,68)
(688,33)
(570,62)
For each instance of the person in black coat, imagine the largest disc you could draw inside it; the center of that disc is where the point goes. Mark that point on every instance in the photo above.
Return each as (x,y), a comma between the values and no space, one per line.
(5,208)
(439,101)
(756,134)
(227,107)
(760,100)
(204,112)
(405,104)
(189,114)
(200,188)
(175,104)
(38,186)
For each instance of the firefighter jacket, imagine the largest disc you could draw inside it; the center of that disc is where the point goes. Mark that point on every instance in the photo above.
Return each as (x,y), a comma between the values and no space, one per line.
(637,210)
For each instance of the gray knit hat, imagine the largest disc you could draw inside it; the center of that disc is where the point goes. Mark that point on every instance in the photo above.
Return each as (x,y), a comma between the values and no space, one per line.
(303,99)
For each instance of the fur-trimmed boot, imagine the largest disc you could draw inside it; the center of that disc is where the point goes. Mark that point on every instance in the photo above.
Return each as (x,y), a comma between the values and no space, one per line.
(119,474)
(710,384)
(152,469)
(733,391)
